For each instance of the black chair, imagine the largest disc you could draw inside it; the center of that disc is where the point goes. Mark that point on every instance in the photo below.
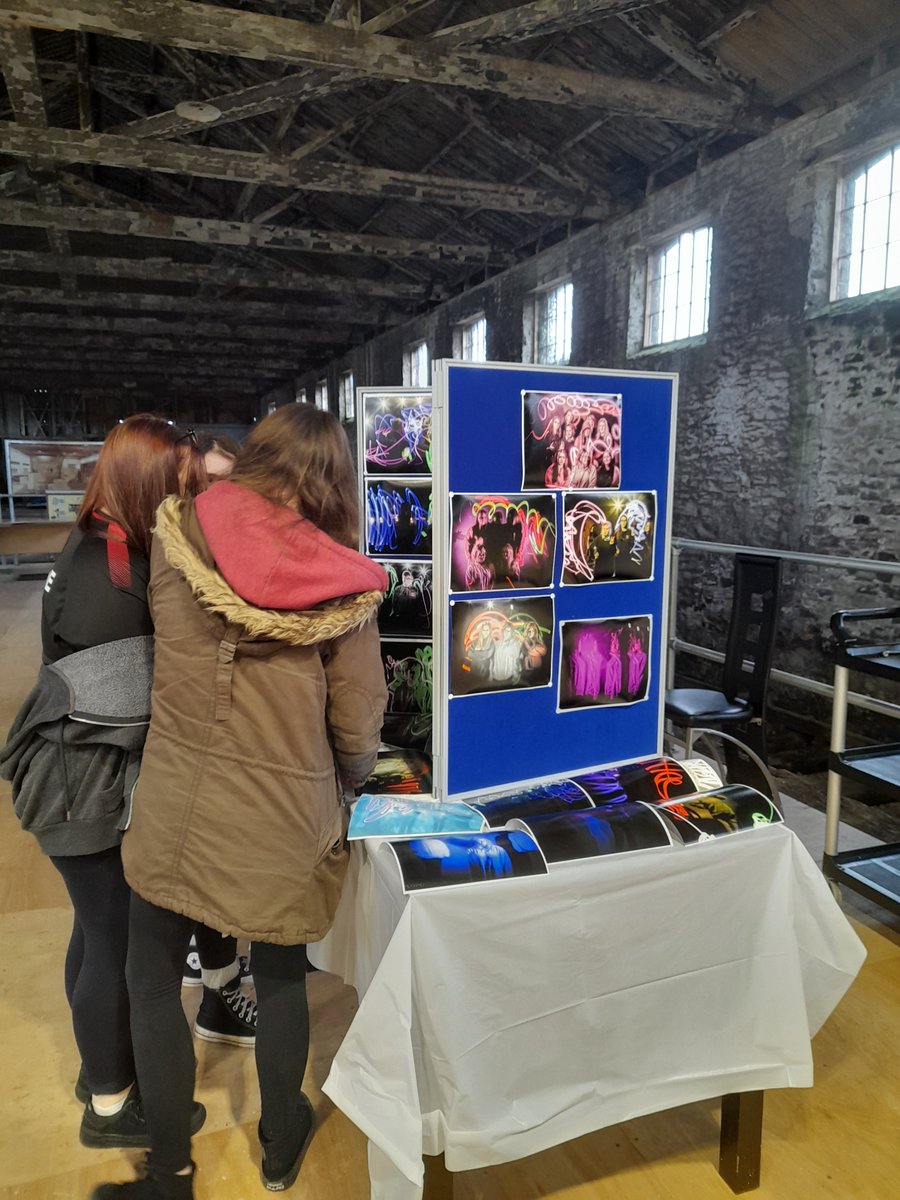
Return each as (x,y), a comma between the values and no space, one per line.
(741,704)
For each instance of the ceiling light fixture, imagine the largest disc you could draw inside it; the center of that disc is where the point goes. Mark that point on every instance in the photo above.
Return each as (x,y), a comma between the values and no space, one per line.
(198,111)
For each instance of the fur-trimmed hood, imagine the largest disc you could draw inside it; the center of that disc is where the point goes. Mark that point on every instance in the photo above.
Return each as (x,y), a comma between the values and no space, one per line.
(181,534)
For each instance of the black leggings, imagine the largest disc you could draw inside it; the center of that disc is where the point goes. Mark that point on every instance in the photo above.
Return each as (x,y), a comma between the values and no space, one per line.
(95,967)
(163,1047)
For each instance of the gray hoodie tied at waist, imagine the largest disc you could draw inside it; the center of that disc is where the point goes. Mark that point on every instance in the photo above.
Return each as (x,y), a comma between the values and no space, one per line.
(74,749)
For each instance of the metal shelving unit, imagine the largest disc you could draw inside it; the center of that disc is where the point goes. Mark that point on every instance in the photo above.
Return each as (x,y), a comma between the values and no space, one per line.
(874,873)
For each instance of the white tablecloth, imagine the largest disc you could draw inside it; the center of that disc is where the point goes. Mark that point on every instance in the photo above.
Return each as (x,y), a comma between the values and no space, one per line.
(499,1019)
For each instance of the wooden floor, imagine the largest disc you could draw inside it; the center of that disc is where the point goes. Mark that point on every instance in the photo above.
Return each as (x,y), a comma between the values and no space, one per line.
(840,1139)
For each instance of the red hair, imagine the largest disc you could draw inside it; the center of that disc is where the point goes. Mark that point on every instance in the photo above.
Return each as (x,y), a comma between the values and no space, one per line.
(142,461)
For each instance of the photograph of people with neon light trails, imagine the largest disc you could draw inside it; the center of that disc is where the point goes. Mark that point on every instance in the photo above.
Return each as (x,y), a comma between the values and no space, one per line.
(608,537)
(654,780)
(398,434)
(613,829)
(406,608)
(455,859)
(398,517)
(408,673)
(604,662)
(726,810)
(500,645)
(571,440)
(562,796)
(502,542)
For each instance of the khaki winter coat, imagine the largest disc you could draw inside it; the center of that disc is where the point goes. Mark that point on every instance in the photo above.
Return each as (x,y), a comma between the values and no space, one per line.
(257,715)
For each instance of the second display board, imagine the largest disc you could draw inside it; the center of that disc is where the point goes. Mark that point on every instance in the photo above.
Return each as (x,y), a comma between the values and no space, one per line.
(551,524)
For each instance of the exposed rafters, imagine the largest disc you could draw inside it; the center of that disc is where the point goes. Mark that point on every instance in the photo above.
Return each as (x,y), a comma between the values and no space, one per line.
(228,328)
(237,233)
(173,173)
(537,19)
(168,271)
(204,27)
(242,166)
(23,86)
(153,302)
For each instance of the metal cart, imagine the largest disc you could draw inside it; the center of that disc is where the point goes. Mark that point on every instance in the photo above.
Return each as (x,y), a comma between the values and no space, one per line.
(875,872)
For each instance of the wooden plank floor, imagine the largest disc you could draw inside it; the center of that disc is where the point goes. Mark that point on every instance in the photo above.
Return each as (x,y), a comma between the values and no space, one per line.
(839,1140)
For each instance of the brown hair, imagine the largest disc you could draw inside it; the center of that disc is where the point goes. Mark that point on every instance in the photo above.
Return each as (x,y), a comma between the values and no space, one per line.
(142,461)
(299,456)
(218,441)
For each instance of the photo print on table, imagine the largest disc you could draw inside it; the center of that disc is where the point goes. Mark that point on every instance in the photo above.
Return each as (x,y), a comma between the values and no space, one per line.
(406,608)
(408,674)
(571,440)
(398,434)
(561,797)
(398,516)
(608,537)
(613,829)
(451,860)
(604,662)
(500,645)
(410,816)
(502,542)
(652,779)
(714,814)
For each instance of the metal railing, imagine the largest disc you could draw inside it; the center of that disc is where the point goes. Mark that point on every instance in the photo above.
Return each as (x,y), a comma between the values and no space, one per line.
(867,565)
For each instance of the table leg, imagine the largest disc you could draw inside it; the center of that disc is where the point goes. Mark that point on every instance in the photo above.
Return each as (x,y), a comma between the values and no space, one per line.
(438,1180)
(740,1142)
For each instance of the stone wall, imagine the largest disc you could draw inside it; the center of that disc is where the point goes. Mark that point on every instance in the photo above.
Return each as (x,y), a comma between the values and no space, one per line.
(789,424)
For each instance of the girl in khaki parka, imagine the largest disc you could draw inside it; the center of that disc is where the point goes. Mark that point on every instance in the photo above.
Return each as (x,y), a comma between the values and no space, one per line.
(268,698)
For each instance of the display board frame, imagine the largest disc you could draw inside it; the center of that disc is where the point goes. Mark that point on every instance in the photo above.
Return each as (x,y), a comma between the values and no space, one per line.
(450,411)
(391,475)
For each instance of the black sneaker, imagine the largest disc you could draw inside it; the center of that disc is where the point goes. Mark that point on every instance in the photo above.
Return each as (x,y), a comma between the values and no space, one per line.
(127,1127)
(148,1186)
(226,1015)
(191,976)
(282,1160)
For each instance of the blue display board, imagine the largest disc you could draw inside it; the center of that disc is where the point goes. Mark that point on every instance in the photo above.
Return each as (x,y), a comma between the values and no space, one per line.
(534,681)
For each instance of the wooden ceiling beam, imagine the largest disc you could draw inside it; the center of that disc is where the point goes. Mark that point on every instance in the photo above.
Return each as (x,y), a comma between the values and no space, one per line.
(117,351)
(58,72)
(170,357)
(284,95)
(120,349)
(661,32)
(23,86)
(545,161)
(107,197)
(22,77)
(243,166)
(227,327)
(210,232)
(395,14)
(207,28)
(538,19)
(247,102)
(167,270)
(26,367)
(248,309)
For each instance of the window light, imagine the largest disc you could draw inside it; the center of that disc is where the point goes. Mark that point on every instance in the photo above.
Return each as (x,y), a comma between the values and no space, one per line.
(867,228)
(678,288)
